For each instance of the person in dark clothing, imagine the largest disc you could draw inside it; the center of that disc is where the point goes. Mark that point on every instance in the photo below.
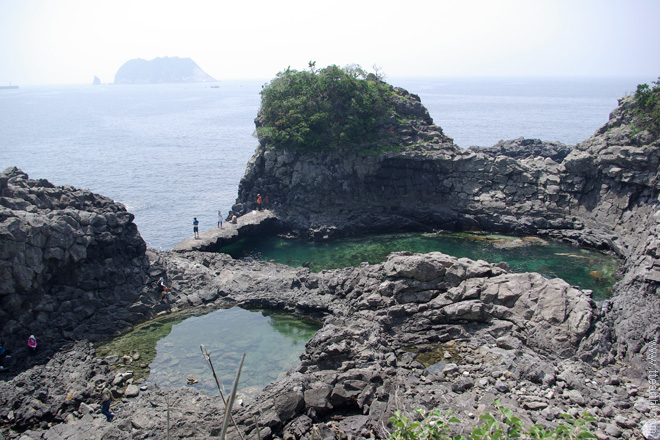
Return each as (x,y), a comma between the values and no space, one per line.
(4,354)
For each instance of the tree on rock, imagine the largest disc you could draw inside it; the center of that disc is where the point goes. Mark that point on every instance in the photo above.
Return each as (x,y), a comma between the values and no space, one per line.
(324,108)
(648,106)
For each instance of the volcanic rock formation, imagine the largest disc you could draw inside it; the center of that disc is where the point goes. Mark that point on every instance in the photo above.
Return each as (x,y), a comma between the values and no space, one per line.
(602,193)
(72,264)
(429,331)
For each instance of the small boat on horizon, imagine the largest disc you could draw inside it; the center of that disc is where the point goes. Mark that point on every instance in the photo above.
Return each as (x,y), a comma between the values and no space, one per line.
(8,87)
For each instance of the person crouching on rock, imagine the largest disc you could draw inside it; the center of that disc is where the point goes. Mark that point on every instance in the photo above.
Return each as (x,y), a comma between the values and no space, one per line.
(162,288)
(32,344)
(106,398)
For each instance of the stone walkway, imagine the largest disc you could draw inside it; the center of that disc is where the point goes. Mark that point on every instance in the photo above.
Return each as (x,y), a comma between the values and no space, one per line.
(213,239)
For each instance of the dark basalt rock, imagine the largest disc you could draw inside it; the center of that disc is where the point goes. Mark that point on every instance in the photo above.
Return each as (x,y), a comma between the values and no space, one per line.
(601,193)
(522,148)
(74,267)
(502,335)
(72,264)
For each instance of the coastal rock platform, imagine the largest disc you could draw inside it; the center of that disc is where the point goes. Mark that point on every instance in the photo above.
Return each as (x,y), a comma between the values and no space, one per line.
(253,223)
(416,331)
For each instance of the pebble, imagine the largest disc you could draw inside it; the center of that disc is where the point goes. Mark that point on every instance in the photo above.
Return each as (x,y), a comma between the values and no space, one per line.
(608,411)
(534,405)
(623,421)
(501,386)
(574,396)
(612,430)
(462,385)
(132,391)
(642,405)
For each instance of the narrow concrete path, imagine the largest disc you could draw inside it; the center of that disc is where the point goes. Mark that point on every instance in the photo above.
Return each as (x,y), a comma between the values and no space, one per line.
(212,240)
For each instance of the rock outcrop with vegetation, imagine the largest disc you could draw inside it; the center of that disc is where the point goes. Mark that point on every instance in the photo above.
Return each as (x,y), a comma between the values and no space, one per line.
(416,331)
(72,263)
(602,193)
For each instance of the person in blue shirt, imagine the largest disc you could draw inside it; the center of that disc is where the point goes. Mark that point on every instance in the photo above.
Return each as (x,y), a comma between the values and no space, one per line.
(196,227)
(4,354)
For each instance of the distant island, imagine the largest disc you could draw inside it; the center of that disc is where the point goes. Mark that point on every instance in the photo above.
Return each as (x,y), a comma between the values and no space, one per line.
(161,71)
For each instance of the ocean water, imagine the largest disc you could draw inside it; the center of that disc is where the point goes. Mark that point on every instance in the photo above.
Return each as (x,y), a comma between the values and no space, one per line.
(174,152)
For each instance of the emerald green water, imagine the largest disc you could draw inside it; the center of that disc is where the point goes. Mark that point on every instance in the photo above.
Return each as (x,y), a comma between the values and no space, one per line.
(170,350)
(581,267)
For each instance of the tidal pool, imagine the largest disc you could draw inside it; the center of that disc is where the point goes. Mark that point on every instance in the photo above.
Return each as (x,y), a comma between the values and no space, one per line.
(170,354)
(588,269)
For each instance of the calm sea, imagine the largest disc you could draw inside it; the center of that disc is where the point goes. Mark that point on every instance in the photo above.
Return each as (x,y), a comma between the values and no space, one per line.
(174,152)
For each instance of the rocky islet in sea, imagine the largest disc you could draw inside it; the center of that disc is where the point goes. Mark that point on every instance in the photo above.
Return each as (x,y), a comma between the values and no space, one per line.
(74,269)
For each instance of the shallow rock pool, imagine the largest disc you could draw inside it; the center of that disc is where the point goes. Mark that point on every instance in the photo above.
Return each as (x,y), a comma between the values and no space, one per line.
(588,269)
(168,349)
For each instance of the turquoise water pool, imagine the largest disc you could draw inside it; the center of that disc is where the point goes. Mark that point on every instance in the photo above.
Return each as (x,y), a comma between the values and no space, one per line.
(171,356)
(581,267)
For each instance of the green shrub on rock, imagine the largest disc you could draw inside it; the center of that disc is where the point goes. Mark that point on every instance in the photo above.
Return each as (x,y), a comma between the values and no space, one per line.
(325,108)
(648,106)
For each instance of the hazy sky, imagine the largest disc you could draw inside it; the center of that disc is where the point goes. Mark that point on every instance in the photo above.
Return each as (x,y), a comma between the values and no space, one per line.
(70,41)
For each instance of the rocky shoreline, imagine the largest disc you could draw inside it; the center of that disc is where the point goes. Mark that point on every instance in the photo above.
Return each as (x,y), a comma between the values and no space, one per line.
(429,331)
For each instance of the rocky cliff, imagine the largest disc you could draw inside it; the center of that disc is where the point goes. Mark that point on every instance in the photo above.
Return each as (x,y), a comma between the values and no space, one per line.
(428,331)
(601,193)
(72,263)
(161,71)
(417,331)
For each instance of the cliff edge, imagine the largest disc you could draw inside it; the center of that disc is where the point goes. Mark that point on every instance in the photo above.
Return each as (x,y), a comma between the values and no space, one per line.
(72,264)
(601,193)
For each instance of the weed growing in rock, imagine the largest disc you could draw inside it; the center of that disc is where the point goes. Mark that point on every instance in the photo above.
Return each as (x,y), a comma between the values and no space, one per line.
(435,426)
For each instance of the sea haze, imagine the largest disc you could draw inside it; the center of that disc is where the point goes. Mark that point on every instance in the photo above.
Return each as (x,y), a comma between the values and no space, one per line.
(174,152)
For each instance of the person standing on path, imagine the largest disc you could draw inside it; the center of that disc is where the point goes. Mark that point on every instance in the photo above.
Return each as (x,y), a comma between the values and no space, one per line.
(196,228)
(259,202)
(220,219)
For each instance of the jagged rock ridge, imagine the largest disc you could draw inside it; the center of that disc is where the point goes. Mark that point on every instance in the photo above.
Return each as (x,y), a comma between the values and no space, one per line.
(542,346)
(602,193)
(72,264)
